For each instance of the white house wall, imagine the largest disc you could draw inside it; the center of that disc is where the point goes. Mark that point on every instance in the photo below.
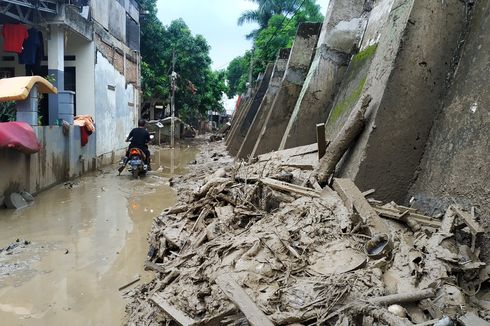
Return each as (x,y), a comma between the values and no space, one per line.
(113,115)
(84,51)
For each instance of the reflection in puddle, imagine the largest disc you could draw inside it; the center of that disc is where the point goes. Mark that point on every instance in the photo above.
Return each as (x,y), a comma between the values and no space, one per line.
(86,242)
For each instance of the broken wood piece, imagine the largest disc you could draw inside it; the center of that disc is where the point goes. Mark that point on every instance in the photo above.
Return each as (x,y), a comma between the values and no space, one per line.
(351,195)
(289,187)
(468,220)
(395,214)
(307,167)
(368,192)
(320,140)
(242,300)
(224,212)
(383,315)
(201,216)
(175,210)
(315,184)
(287,153)
(154,267)
(135,280)
(208,185)
(471,319)
(403,297)
(448,221)
(428,323)
(170,277)
(178,316)
(344,139)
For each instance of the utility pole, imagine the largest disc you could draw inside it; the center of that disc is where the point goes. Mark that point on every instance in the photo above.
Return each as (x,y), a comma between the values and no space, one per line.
(173,78)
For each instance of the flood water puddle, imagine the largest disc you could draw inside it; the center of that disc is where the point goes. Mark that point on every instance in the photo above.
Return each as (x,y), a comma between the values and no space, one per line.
(83,241)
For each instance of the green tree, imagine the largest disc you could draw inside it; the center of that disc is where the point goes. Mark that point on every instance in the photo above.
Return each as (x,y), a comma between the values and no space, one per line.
(266,9)
(237,74)
(278,22)
(199,89)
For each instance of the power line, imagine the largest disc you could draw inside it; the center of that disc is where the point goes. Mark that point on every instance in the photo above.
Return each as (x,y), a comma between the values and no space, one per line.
(282,22)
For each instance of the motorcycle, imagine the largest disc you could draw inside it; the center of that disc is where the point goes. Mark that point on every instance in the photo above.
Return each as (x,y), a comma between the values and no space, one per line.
(136,162)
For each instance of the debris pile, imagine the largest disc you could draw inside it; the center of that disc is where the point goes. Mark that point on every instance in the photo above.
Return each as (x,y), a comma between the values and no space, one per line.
(264,244)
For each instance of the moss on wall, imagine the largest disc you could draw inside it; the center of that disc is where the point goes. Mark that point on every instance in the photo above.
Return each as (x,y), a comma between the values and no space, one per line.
(353,84)
(348,102)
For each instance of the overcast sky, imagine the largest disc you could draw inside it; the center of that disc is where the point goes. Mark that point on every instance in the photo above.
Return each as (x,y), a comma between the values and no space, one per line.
(216,20)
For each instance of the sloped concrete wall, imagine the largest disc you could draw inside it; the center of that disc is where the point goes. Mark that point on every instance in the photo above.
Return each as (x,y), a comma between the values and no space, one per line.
(456,165)
(249,116)
(355,78)
(266,104)
(237,118)
(407,80)
(341,31)
(298,64)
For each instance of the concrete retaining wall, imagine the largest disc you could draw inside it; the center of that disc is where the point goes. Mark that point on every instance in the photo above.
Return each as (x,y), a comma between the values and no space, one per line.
(249,116)
(237,117)
(298,64)
(60,159)
(341,31)
(406,80)
(266,104)
(455,166)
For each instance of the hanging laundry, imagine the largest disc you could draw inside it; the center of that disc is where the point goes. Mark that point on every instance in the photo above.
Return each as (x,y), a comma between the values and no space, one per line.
(33,52)
(14,36)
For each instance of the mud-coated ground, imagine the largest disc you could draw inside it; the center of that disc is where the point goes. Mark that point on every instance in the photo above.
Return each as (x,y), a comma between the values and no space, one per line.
(80,242)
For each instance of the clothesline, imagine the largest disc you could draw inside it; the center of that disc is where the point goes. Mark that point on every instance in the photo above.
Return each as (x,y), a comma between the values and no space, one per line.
(27,43)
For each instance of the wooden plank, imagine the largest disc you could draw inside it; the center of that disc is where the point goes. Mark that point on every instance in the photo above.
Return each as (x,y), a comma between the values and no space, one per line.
(471,319)
(320,140)
(468,219)
(289,187)
(399,216)
(242,300)
(136,279)
(286,153)
(351,195)
(179,316)
(368,192)
(154,267)
(448,221)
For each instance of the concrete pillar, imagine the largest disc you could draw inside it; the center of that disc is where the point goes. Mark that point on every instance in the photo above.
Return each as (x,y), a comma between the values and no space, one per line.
(27,109)
(56,68)
(298,65)
(249,116)
(266,104)
(341,32)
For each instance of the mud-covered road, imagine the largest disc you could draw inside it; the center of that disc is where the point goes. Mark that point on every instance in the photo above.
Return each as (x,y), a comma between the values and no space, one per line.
(79,243)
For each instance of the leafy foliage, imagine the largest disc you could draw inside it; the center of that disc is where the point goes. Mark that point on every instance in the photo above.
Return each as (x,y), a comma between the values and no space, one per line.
(7,111)
(237,74)
(278,21)
(199,89)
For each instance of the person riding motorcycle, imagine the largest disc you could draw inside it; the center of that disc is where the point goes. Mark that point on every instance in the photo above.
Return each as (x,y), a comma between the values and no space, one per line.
(139,138)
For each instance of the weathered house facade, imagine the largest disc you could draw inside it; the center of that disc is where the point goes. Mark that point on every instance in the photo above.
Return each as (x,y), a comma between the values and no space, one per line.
(89,49)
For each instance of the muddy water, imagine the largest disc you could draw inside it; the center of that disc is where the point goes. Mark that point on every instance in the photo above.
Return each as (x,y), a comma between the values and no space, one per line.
(86,241)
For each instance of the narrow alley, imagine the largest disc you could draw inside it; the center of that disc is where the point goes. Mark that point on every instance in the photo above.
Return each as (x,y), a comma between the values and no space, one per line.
(84,240)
